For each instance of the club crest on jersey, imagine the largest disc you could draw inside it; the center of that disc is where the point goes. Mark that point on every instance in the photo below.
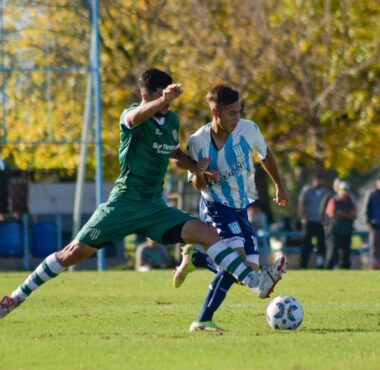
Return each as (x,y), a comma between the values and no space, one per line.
(234,227)
(237,150)
(175,135)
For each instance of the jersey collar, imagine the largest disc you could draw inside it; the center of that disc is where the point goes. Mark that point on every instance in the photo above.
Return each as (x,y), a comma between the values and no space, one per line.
(160,121)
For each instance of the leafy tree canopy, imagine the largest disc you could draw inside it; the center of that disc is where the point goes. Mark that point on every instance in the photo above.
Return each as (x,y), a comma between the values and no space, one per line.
(308,72)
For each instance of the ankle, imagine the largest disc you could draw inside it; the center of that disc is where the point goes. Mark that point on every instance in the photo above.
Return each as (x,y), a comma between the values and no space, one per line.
(252,279)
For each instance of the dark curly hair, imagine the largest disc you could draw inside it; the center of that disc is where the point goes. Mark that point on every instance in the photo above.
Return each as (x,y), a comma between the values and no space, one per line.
(222,95)
(153,79)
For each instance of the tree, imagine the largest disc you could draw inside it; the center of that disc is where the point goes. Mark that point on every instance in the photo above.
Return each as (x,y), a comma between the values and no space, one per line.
(308,72)
(46,55)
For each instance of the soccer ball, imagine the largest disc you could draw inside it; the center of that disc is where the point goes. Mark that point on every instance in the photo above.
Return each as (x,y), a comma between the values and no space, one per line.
(284,313)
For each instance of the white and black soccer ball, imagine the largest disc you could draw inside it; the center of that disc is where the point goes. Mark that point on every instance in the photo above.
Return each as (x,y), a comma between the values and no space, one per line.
(284,313)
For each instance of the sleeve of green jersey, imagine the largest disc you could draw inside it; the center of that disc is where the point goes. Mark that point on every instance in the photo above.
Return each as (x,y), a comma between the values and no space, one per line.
(123,115)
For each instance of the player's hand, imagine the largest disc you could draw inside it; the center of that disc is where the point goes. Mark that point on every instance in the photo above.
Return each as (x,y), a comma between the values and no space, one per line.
(203,170)
(172,92)
(212,176)
(202,166)
(281,198)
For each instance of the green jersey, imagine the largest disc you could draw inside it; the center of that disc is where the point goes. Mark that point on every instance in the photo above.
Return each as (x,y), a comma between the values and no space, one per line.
(144,155)
(135,205)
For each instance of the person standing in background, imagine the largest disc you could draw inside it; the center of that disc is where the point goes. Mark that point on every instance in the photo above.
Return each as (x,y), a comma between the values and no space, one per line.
(373,220)
(310,201)
(342,211)
(259,222)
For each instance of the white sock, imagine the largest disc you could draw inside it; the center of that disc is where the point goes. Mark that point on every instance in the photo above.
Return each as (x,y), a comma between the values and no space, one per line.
(227,259)
(48,269)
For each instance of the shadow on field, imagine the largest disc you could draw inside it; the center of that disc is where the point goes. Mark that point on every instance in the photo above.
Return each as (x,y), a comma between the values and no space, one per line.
(344,330)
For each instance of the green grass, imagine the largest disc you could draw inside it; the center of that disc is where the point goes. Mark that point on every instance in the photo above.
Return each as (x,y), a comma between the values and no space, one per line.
(131,320)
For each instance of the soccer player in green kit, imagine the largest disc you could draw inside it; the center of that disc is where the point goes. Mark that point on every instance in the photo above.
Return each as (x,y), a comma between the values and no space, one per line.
(148,139)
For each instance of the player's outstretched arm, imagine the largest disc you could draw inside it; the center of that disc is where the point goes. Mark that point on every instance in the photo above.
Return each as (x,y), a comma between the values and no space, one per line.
(199,180)
(271,168)
(182,160)
(199,169)
(149,108)
(203,175)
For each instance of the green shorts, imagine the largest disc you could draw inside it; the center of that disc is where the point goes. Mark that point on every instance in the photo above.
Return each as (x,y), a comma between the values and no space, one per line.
(122,216)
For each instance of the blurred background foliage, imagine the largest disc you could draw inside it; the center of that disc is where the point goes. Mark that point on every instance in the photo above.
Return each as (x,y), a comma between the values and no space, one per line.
(308,72)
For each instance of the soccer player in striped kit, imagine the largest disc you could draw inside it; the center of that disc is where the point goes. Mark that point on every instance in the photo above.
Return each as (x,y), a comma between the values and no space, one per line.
(227,143)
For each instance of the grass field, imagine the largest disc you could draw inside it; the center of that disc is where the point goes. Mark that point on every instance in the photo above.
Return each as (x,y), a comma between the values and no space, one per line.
(131,320)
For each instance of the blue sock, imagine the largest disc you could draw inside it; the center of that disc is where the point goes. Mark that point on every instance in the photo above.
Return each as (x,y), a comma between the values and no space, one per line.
(200,259)
(216,294)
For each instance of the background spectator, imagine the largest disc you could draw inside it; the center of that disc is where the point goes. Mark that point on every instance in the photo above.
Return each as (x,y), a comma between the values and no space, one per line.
(257,216)
(373,220)
(329,194)
(327,221)
(310,203)
(151,255)
(342,212)
(259,220)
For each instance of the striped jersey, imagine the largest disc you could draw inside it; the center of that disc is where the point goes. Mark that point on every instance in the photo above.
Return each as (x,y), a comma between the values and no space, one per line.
(236,186)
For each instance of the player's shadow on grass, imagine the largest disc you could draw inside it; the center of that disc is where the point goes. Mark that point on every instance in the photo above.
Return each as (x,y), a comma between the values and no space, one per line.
(343,330)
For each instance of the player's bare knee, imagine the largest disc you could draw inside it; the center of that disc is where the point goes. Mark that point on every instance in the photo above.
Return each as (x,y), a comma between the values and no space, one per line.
(208,235)
(199,232)
(212,232)
(71,254)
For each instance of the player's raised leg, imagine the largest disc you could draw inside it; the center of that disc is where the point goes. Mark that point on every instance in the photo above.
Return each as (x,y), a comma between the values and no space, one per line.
(270,277)
(50,268)
(226,258)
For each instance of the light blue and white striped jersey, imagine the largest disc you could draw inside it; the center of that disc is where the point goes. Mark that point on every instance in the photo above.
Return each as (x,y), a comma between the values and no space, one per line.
(236,187)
